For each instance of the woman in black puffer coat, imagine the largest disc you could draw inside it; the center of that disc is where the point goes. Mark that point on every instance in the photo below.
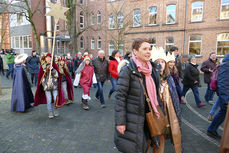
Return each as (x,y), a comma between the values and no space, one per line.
(131,132)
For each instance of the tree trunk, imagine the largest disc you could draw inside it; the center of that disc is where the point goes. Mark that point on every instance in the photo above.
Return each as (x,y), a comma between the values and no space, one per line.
(36,37)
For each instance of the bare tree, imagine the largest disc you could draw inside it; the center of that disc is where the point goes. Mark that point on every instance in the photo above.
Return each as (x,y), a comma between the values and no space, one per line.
(74,28)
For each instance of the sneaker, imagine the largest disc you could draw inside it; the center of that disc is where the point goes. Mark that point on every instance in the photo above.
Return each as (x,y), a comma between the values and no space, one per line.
(213,134)
(50,115)
(55,112)
(201,105)
(103,106)
(210,117)
(211,102)
(67,102)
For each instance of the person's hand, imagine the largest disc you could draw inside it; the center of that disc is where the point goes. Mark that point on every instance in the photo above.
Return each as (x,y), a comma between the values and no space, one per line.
(210,70)
(195,82)
(109,80)
(121,128)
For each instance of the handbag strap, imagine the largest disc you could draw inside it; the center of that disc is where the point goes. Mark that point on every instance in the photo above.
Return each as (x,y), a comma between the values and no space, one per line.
(146,95)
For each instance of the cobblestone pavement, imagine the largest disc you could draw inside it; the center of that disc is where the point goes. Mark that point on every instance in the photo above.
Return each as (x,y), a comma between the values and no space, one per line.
(79,131)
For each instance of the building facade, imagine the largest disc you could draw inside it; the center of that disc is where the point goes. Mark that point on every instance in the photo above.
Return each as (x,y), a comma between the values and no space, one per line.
(194,26)
(4,30)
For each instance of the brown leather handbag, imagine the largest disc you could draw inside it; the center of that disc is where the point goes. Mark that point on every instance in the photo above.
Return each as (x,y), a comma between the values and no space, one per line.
(157,126)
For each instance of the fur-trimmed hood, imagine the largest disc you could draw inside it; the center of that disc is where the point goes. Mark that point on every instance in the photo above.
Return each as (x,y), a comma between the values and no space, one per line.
(122,64)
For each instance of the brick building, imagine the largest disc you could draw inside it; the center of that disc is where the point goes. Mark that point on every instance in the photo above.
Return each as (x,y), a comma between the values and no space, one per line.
(194,26)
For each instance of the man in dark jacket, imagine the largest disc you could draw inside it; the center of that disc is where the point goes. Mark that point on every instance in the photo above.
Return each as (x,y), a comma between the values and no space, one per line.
(207,67)
(101,72)
(77,61)
(192,80)
(70,64)
(223,92)
(33,64)
(178,63)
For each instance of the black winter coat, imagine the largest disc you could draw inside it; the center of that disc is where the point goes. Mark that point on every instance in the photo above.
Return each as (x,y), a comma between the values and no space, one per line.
(130,109)
(191,74)
(101,69)
(33,64)
(77,63)
(178,65)
(208,64)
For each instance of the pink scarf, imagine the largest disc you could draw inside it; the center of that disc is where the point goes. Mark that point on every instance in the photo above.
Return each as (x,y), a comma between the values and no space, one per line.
(150,85)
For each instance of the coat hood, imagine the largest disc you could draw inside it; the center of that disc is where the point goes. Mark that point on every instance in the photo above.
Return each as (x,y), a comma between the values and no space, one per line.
(111,58)
(226,58)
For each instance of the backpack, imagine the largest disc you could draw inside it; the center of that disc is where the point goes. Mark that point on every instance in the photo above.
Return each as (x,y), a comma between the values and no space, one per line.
(214,76)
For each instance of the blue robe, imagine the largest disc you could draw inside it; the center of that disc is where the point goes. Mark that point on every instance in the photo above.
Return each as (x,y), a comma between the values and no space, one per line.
(22,95)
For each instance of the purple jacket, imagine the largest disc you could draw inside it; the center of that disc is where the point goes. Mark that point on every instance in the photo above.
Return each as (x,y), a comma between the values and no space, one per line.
(208,64)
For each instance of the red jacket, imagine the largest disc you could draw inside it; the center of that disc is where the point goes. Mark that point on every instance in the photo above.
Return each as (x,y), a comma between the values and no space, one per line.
(113,67)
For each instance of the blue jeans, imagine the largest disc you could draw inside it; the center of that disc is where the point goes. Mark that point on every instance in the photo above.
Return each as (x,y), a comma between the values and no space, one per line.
(49,95)
(214,107)
(195,92)
(34,78)
(209,94)
(99,93)
(11,70)
(179,91)
(219,118)
(114,85)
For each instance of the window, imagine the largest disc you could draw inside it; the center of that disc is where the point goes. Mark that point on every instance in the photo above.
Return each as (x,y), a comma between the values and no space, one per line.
(30,41)
(171,14)
(120,20)
(197,11)
(195,44)
(25,39)
(137,18)
(153,15)
(111,47)
(81,43)
(224,12)
(57,27)
(111,21)
(98,17)
(92,43)
(92,19)
(169,42)
(19,18)
(152,42)
(81,1)
(99,41)
(121,47)
(223,44)
(81,20)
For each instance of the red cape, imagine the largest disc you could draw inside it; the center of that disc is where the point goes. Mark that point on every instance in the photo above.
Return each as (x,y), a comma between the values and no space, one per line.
(40,97)
(86,79)
(69,85)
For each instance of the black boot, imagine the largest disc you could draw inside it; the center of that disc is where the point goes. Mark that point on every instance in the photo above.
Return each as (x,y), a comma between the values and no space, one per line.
(84,104)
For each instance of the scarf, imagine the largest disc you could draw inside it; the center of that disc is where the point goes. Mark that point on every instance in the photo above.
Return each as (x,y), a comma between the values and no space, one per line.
(117,59)
(150,85)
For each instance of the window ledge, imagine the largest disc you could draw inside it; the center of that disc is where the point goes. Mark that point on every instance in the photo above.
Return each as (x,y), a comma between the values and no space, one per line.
(222,19)
(220,56)
(136,27)
(165,24)
(190,22)
(198,56)
(151,25)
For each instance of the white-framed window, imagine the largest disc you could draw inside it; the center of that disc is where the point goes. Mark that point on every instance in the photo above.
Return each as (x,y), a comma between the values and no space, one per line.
(152,15)
(169,42)
(121,47)
(92,43)
(224,10)
(99,43)
(81,20)
(195,42)
(197,11)
(81,43)
(111,47)
(111,21)
(137,18)
(19,18)
(152,42)
(171,14)
(18,42)
(92,19)
(120,19)
(81,1)
(99,17)
(222,44)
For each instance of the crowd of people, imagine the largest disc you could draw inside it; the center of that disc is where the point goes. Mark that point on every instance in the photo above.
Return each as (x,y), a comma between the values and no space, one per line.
(144,81)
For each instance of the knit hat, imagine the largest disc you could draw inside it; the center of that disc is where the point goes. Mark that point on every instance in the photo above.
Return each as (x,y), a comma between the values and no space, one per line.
(158,53)
(20,58)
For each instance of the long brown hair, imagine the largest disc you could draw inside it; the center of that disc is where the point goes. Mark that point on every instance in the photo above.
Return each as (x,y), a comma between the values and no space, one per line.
(174,70)
(166,72)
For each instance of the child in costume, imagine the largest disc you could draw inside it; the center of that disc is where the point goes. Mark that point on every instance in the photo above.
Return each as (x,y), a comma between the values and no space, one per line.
(22,95)
(46,92)
(67,86)
(85,76)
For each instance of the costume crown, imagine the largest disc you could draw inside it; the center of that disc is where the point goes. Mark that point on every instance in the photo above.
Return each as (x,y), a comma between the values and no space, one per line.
(158,53)
(170,57)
